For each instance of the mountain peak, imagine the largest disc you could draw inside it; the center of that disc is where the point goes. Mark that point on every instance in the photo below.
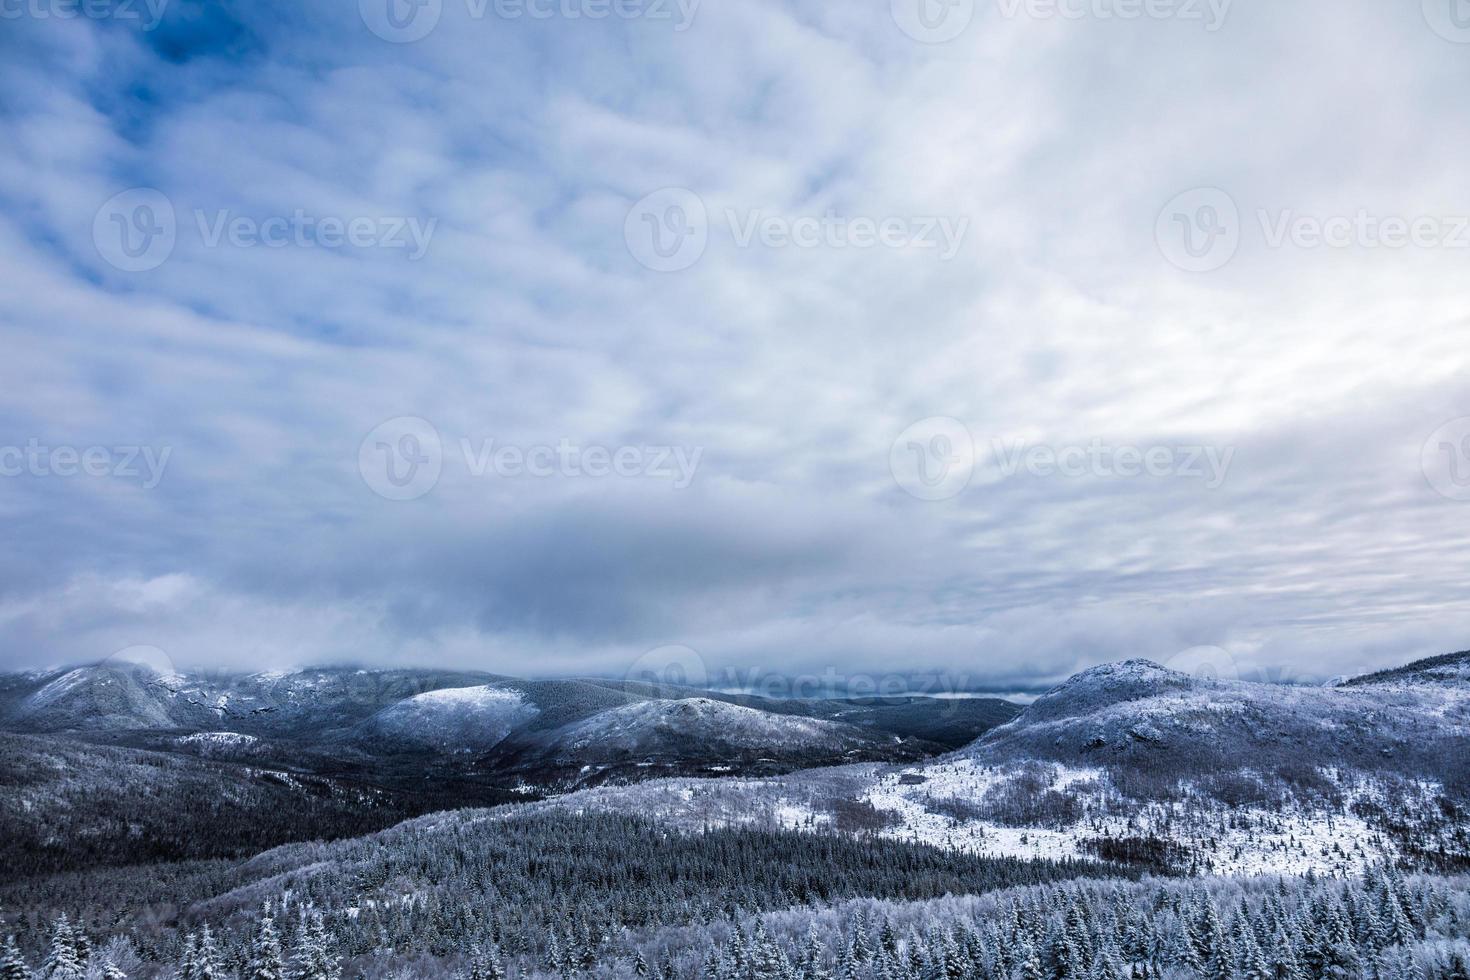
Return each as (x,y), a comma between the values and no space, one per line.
(1107,684)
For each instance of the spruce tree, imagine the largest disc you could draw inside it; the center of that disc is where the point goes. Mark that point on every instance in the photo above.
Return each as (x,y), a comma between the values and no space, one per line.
(63,961)
(267,961)
(314,959)
(13,964)
(208,962)
(493,968)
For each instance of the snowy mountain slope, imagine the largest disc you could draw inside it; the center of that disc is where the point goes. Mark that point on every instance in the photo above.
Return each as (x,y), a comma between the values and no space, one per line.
(1220,775)
(119,696)
(1163,724)
(1133,761)
(698,734)
(950,722)
(1449,668)
(459,719)
(405,729)
(94,698)
(67,805)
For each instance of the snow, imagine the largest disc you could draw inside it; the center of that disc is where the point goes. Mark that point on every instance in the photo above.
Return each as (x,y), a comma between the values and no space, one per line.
(698,717)
(59,688)
(461,719)
(219,739)
(1234,841)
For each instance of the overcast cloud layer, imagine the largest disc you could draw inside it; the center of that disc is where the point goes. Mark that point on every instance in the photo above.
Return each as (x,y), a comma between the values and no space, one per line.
(1293,486)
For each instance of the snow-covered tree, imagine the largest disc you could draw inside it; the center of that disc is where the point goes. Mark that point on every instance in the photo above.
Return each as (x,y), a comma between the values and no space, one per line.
(63,959)
(13,964)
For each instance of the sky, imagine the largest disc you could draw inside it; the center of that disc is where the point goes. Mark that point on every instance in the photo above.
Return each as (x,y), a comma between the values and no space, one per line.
(981,340)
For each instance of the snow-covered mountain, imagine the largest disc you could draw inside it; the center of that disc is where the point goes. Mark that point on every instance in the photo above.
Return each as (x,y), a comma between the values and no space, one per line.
(401,727)
(456,719)
(1134,761)
(1142,716)
(694,735)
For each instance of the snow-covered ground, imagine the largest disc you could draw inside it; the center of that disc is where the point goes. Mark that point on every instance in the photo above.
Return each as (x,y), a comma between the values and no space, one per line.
(954,803)
(219,739)
(1230,841)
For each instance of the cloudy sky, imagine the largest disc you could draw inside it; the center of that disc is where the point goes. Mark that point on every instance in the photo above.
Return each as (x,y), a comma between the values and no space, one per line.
(997,338)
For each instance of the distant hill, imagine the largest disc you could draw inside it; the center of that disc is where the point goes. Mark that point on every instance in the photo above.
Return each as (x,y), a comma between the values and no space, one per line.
(400,727)
(1449,668)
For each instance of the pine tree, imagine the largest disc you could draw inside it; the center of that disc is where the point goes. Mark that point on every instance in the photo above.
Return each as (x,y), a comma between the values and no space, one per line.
(314,959)
(208,962)
(1106,965)
(13,964)
(1252,962)
(267,961)
(1030,964)
(189,958)
(769,961)
(1286,960)
(493,968)
(814,957)
(63,961)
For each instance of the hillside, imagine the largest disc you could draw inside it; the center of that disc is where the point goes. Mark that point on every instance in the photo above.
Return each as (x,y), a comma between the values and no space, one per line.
(70,805)
(695,735)
(1134,761)
(219,745)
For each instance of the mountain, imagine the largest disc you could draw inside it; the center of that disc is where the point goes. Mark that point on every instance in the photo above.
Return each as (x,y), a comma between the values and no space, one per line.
(1449,668)
(68,805)
(121,696)
(692,735)
(949,722)
(1139,715)
(1132,761)
(463,732)
(456,719)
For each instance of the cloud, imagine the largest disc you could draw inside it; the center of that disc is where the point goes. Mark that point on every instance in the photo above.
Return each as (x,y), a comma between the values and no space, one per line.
(518,148)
